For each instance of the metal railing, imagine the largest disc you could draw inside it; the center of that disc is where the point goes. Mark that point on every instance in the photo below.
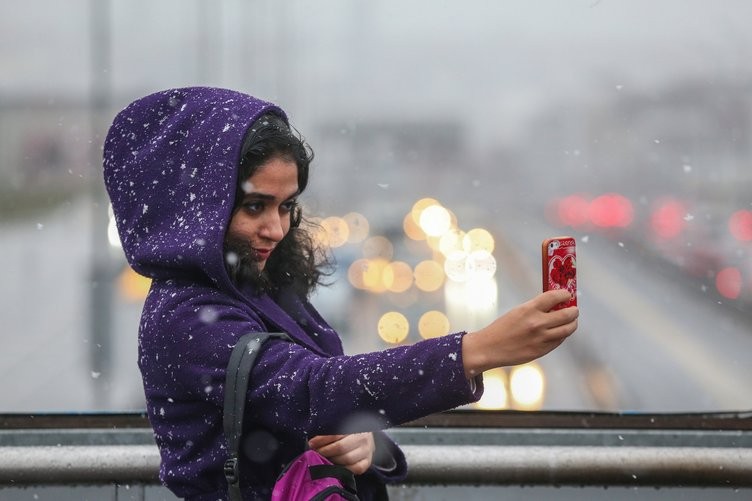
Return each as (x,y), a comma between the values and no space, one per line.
(452,449)
(429,465)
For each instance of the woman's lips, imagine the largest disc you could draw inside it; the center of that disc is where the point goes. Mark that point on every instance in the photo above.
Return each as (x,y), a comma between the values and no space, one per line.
(262,254)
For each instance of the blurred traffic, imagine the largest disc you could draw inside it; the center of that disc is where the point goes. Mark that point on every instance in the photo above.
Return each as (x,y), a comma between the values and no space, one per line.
(714,249)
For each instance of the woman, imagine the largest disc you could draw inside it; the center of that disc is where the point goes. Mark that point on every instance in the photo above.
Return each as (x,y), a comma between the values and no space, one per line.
(204,185)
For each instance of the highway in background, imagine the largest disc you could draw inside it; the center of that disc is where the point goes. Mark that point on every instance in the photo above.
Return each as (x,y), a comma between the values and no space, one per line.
(649,339)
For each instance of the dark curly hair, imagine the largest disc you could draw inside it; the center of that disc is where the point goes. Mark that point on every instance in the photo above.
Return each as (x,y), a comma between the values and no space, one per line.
(297,262)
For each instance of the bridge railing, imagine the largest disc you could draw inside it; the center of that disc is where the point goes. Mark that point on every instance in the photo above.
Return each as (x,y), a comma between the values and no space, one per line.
(458,448)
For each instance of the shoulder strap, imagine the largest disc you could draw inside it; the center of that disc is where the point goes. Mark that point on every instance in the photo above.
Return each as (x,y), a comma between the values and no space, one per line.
(236,387)
(345,476)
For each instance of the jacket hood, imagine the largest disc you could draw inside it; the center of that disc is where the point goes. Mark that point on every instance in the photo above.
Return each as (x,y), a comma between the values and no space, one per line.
(170,169)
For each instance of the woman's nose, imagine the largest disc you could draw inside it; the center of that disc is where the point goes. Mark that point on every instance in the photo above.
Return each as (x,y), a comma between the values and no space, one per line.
(273,228)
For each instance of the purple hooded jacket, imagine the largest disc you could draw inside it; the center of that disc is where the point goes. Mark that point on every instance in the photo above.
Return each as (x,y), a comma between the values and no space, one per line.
(170,168)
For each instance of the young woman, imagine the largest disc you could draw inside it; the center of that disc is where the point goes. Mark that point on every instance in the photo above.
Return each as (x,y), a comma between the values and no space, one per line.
(204,184)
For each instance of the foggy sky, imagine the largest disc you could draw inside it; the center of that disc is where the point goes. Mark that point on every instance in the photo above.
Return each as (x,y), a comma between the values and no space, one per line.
(495,64)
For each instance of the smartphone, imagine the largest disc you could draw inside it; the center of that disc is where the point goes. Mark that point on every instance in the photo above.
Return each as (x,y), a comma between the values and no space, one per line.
(559,258)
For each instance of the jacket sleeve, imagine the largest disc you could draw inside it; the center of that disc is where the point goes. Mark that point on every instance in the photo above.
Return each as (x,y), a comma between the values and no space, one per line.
(316,395)
(389,462)
(298,392)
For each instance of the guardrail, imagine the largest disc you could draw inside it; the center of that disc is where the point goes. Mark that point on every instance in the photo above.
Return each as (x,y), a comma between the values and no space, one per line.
(451,449)
(429,465)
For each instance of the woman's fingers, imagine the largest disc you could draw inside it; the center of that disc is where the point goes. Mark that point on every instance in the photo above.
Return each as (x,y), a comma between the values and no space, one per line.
(549,299)
(320,441)
(355,451)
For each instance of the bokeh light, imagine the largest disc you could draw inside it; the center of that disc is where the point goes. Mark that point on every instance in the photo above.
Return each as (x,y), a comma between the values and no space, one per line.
(527,385)
(480,264)
(433,243)
(429,276)
(611,210)
(667,220)
(356,273)
(740,225)
(478,239)
(336,230)
(451,241)
(397,276)
(358,227)
(132,286)
(435,220)
(481,296)
(412,229)
(573,211)
(455,266)
(433,324)
(420,206)
(495,394)
(728,281)
(373,275)
(393,327)
(378,247)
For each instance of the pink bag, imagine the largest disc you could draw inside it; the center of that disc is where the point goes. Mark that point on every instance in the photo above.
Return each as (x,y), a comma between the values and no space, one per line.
(312,477)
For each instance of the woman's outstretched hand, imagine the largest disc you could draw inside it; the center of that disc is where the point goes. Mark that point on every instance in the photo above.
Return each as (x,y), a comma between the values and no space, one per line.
(524,333)
(354,451)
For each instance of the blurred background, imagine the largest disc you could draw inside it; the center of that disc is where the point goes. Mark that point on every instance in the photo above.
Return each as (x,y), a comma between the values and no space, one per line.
(451,138)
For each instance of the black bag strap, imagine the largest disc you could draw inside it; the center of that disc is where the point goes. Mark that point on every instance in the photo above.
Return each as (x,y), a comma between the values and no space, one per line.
(334,490)
(242,358)
(345,476)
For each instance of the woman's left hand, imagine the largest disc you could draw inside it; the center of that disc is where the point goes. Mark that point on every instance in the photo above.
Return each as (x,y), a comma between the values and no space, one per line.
(354,452)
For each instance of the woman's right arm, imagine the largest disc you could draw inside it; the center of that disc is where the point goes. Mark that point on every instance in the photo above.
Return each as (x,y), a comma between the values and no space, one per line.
(525,333)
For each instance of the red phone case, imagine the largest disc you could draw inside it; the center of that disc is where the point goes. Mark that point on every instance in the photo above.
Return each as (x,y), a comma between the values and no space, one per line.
(559,258)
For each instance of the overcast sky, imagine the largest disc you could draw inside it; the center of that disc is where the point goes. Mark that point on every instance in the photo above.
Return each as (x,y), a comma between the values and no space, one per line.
(44,45)
(423,57)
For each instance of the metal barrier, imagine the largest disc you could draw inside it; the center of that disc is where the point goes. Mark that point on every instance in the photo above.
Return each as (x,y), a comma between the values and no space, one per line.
(429,465)
(440,452)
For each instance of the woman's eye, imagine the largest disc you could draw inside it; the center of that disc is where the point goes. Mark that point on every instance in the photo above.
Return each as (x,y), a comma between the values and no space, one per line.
(289,206)
(253,207)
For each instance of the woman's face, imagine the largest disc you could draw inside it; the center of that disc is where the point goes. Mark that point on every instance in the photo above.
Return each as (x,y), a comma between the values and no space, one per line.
(262,217)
